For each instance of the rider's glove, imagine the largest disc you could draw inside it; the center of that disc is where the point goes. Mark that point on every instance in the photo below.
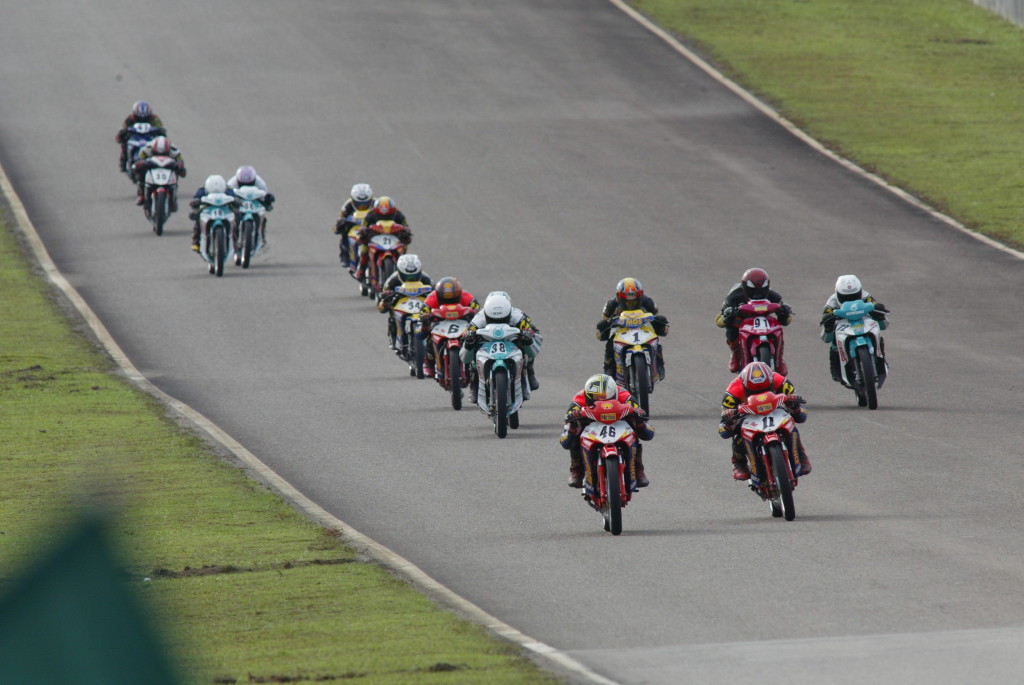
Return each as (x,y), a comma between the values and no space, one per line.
(878,315)
(181,171)
(194,203)
(527,334)
(470,339)
(828,321)
(728,314)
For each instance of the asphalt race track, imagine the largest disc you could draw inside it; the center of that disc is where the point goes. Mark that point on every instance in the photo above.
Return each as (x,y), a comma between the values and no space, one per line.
(549,149)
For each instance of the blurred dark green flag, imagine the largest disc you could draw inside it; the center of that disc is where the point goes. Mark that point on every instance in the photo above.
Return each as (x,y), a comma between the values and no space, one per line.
(71,618)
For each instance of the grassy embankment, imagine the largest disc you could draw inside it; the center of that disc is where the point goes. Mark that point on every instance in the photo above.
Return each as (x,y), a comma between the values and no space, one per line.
(251,591)
(928,95)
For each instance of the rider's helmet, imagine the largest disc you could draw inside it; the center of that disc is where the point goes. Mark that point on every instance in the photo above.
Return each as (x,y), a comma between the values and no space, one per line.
(599,387)
(362,196)
(245,176)
(755,284)
(629,292)
(448,291)
(142,111)
(161,146)
(498,307)
(410,268)
(215,184)
(384,206)
(848,288)
(757,377)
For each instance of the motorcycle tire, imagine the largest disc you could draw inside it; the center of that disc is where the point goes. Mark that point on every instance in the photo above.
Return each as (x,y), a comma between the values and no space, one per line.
(248,242)
(220,250)
(613,501)
(159,213)
(866,373)
(455,377)
(764,354)
(499,392)
(640,381)
(418,355)
(782,483)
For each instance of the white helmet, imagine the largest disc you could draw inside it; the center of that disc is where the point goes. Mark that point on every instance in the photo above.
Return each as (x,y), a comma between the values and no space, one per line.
(215,184)
(498,307)
(362,193)
(848,288)
(409,265)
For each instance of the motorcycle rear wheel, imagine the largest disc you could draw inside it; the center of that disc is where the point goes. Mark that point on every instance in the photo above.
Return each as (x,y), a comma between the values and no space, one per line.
(866,371)
(764,354)
(499,392)
(455,377)
(782,482)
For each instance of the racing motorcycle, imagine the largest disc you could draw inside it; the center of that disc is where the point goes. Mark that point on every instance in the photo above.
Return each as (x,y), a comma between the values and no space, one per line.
(384,249)
(446,337)
(609,446)
(354,248)
(139,135)
(766,427)
(214,238)
(861,355)
(407,303)
(760,338)
(247,239)
(636,350)
(499,366)
(161,188)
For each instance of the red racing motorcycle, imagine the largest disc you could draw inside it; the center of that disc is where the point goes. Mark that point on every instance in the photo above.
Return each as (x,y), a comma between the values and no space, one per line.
(609,446)
(766,427)
(446,337)
(760,337)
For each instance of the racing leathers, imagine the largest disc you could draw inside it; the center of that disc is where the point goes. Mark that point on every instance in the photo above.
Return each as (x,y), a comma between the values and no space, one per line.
(728,426)
(828,329)
(371,228)
(427,321)
(606,328)
(726,319)
(574,423)
(518,319)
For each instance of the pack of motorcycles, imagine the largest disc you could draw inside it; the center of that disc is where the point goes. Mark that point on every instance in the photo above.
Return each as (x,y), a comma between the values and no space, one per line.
(495,374)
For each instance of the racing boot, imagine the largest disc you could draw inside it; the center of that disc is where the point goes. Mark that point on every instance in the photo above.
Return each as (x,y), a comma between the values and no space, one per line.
(609,361)
(575,467)
(740,469)
(532,376)
(734,360)
(428,367)
(780,365)
(805,463)
(660,361)
(343,253)
(638,465)
(195,237)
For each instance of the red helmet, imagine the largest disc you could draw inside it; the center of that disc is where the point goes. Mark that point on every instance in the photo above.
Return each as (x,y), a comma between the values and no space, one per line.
(385,207)
(629,290)
(448,291)
(161,146)
(755,284)
(757,377)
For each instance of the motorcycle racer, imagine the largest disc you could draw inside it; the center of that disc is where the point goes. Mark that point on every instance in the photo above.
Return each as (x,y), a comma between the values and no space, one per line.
(629,294)
(214,184)
(158,147)
(757,377)
(446,291)
(384,209)
(247,176)
(498,309)
(753,286)
(142,112)
(408,269)
(599,387)
(848,288)
(360,199)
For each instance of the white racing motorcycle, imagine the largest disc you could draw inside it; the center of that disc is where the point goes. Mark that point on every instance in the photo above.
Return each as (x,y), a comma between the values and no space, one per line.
(248,238)
(161,187)
(500,365)
(214,238)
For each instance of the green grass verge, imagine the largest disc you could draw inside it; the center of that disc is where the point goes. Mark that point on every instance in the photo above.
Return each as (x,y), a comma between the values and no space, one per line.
(250,591)
(927,94)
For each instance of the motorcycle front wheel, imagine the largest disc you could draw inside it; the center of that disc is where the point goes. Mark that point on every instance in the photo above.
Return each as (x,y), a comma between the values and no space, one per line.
(248,241)
(499,392)
(455,377)
(866,371)
(641,381)
(418,354)
(782,483)
(159,212)
(220,250)
(613,506)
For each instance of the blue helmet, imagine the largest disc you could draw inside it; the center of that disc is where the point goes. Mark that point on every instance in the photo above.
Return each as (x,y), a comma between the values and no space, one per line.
(142,110)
